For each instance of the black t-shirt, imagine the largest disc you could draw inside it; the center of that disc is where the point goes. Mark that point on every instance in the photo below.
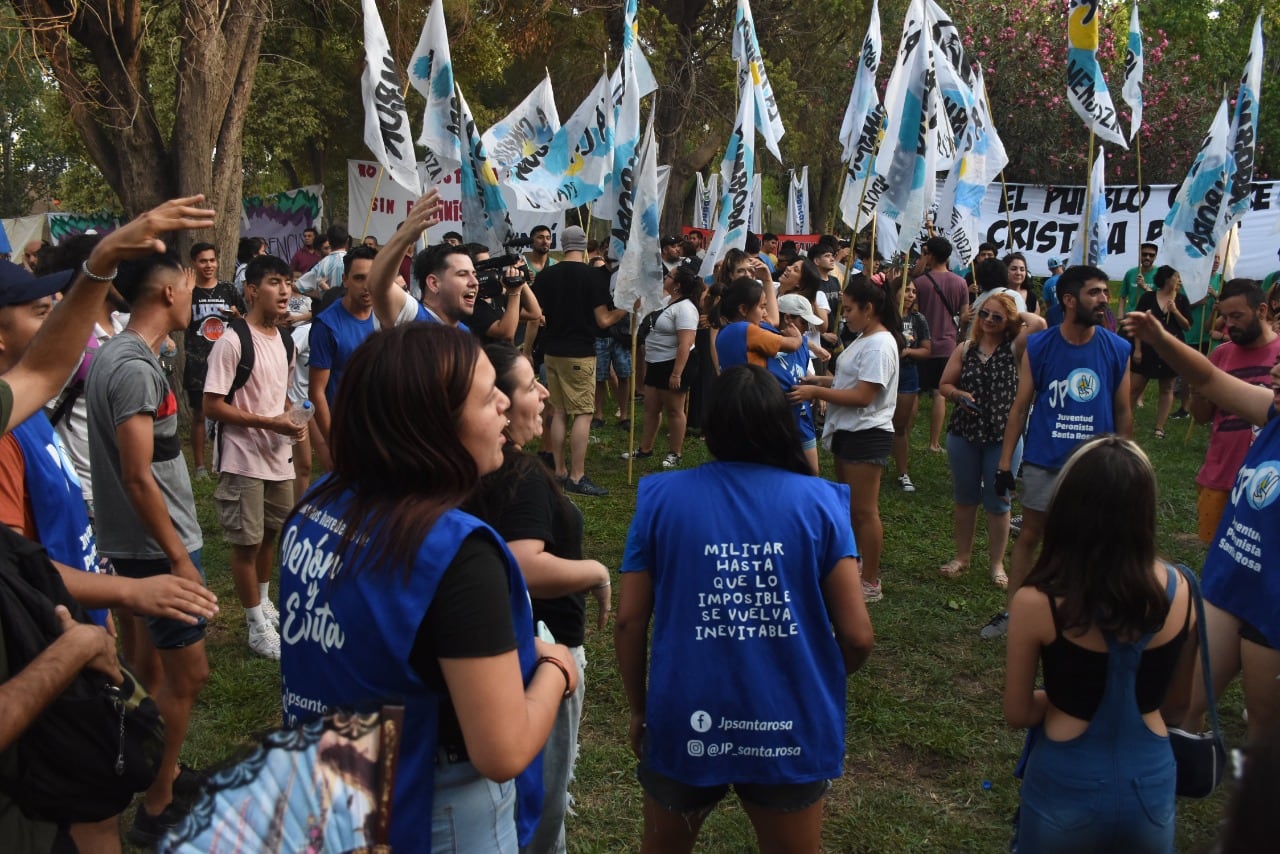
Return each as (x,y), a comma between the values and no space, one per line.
(569,293)
(210,313)
(485,315)
(536,512)
(468,618)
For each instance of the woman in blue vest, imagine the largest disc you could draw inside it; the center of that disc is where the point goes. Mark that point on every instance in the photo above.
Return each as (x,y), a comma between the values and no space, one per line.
(390,594)
(1241,572)
(543,529)
(1108,621)
(744,681)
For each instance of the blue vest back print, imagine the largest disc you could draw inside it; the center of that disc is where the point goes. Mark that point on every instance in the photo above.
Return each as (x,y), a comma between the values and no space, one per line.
(352,650)
(746,681)
(57,500)
(1075,392)
(1241,571)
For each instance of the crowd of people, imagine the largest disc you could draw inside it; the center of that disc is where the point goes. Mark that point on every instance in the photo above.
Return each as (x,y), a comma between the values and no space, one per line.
(439,559)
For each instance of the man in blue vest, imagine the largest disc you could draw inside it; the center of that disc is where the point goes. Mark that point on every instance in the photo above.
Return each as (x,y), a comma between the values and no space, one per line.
(1077,375)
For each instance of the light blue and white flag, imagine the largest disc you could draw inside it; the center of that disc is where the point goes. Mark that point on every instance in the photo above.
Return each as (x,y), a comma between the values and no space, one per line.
(528,128)
(631,37)
(640,270)
(746,50)
(576,166)
(756,209)
(1091,246)
(1086,89)
(959,84)
(484,211)
(1133,71)
(386,122)
(431,74)
(706,200)
(909,152)
(738,166)
(798,203)
(863,99)
(626,139)
(980,156)
(1196,220)
(1243,135)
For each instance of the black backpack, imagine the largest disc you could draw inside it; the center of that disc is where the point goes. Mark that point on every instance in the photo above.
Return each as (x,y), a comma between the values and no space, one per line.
(244,368)
(93,748)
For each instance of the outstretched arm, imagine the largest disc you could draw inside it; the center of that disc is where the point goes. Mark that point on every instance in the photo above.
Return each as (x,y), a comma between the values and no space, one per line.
(387,298)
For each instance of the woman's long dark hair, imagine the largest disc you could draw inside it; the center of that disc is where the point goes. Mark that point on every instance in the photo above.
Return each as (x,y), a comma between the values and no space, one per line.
(1163,275)
(811,281)
(883,302)
(741,296)
(395,442)
(748,420)
(498,489)
(1102,570)
(1031,283)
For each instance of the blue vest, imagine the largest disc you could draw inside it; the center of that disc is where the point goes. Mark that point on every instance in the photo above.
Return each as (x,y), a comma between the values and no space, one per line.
(1075,392)
(57,500)
(746,680)
(1242,570)
(346,639)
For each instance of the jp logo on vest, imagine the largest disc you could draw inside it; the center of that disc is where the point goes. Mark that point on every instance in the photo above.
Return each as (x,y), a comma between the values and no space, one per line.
(1264,485)
(1083,385)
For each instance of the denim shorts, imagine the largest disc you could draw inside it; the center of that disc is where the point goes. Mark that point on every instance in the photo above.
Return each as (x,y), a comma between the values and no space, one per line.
(684,799)
(973,472)
(615,353)
(165,632)
(871,447)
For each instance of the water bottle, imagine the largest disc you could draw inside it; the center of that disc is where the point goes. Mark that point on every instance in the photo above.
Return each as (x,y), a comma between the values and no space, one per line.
(300,415)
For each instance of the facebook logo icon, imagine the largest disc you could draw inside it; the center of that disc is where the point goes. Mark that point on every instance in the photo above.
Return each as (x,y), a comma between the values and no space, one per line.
(700,721)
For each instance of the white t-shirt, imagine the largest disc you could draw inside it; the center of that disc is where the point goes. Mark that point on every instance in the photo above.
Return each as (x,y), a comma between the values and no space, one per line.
(252,451)
(813,335)
(872,359)
(662,343)
(300,385)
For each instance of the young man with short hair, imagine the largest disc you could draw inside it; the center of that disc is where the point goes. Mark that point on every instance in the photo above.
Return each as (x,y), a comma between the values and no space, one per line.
(254,454)
(307,255)
(213,305)
(943,298)
(1138,280)
(336,332)
(539,255)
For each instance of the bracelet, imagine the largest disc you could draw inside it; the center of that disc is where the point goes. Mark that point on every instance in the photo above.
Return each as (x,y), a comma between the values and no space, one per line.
(546,659)
(92,276)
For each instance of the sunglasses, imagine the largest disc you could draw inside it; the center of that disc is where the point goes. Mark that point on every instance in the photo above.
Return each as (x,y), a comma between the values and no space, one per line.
(989,315)
(1148,257)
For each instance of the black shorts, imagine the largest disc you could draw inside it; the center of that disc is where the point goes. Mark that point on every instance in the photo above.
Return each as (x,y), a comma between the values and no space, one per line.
(684,799)
(195,399)
(1251,633)
(862,446)
(658,374)
(931,372)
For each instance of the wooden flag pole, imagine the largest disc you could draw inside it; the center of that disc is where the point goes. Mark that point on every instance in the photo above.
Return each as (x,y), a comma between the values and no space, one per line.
(1141,236)
(1085,257)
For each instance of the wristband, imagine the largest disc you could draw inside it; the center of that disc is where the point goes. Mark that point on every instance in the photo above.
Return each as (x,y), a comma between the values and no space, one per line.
(546,659)
(92,276)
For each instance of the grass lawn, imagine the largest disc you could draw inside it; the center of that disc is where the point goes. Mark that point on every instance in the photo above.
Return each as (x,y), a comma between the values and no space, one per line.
(929,761)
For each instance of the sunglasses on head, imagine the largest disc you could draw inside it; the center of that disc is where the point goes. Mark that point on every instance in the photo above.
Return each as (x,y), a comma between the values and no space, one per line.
(983,314)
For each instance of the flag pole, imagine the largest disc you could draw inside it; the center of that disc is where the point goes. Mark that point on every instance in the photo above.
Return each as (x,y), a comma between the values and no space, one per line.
(1141,237)
(871,256)
(1088,193)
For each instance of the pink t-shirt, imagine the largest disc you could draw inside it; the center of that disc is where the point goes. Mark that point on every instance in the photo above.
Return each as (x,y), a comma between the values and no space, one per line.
(938,309)
(253,452)
(1231,435)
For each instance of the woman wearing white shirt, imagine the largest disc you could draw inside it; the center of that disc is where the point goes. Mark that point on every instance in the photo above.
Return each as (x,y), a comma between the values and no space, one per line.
(861,398)
(666,356)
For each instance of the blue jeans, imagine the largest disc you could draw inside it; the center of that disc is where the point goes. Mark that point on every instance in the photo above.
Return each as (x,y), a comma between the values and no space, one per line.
(471,812)
(558,758)
(973,472)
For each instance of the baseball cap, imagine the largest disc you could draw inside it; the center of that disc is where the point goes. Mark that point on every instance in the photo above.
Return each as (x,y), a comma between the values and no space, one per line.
(1055,263)
(798,306)
(17,286)
(573,239)
(671,240)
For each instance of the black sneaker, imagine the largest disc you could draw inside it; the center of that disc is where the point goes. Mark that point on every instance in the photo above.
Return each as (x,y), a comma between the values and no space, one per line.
(584,487)
(597,423)
(187,785)
(1180,414)
(147,829)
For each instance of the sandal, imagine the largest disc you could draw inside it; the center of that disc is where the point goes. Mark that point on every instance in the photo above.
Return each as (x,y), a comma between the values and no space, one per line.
(1159,433)
(953,568)
(999,579)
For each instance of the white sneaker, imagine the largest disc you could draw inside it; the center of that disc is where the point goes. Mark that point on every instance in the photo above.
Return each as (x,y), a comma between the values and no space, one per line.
(905,482)
(264,640)
(671,461)
(269,611)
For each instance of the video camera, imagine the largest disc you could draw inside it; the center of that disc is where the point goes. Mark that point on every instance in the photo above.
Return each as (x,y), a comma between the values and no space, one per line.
(492,278)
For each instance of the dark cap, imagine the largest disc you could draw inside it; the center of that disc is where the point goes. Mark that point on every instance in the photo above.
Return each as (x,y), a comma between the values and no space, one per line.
(671,240)
(17,286)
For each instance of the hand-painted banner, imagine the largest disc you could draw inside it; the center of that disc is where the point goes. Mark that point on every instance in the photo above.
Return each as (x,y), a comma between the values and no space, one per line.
(387,209)
(64,225)
(1046,223)
(281,218)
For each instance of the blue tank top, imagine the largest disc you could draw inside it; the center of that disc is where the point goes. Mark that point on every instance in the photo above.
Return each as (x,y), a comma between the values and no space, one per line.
(746,681)
(346,640)
(1075,392)
(57,500)
(1242,571)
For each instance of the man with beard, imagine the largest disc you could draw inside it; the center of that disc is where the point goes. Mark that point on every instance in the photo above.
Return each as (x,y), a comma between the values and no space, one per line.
(1254,347)
(538,258)
(1077,375)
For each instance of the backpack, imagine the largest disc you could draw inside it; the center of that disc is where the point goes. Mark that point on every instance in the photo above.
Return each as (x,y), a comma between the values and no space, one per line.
(244,370)
(93,748)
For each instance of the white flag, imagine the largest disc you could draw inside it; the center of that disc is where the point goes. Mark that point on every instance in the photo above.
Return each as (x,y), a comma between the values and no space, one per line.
(431,74)
(528,128)
(1195,223)
(798,203)
(757,205)
(1133,71)
(386,123)
(739,165)
(631,36)
(746,50)
(1242,138)
(1086,88)
(1091,247)
(706,200)
(863,99)
(640,271)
